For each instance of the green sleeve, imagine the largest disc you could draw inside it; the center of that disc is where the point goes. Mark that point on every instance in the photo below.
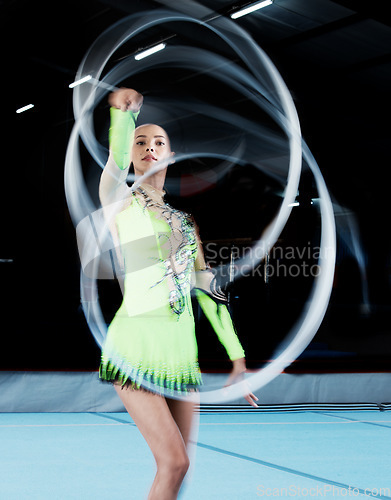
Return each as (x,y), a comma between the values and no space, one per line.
(220,319)
(122,125)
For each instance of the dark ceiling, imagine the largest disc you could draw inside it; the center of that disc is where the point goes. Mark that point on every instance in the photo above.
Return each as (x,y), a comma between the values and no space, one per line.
(335,57)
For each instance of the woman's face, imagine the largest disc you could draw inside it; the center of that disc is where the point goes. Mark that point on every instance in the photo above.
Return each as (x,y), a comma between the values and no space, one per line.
(151,145)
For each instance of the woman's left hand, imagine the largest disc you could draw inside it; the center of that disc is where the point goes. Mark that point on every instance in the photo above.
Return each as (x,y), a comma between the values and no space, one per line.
(237,375)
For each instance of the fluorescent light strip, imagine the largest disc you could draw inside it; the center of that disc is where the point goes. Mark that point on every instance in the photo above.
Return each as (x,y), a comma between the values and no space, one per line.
(25,108)
(79,82)
(150,51)
(251,8)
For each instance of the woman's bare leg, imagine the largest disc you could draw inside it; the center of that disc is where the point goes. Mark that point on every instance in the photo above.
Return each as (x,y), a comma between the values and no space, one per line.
(184,416)
(154,420)
(187,420)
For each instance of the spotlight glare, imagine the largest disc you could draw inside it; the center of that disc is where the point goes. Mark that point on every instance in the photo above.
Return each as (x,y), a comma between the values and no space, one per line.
(79,82)
(25,108)
(148,52)
(251,8)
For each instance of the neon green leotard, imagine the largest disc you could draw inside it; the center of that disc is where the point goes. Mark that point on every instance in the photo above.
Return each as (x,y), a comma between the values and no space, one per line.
(152,336)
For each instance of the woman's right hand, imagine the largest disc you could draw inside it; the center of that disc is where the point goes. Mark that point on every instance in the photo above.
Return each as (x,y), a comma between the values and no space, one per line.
(126,100)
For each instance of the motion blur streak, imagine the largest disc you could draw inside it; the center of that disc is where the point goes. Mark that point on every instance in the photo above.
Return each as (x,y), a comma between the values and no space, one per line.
(260,83)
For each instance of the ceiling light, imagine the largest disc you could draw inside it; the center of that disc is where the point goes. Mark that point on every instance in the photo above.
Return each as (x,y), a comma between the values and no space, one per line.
(25,108)
(148,52)
(79,82)
(251,8)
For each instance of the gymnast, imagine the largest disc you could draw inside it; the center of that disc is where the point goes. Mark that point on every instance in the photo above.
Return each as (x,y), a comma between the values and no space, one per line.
(150,350)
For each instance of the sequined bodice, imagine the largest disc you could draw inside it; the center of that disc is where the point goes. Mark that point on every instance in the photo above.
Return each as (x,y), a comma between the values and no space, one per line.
(166,239)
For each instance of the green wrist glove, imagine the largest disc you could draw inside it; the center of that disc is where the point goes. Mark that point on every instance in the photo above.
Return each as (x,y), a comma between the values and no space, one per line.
(122,126)
(220,319)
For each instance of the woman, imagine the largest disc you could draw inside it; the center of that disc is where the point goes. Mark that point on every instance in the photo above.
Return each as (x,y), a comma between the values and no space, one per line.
(151,341)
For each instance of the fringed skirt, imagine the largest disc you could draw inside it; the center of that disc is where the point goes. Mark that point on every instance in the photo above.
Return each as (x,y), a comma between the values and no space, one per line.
(155,350)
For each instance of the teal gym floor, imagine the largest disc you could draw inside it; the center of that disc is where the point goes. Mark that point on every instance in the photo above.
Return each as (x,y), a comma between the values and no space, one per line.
(249,455)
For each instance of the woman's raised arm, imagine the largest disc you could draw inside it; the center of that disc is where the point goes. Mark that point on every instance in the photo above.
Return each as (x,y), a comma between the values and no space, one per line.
(125,107)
